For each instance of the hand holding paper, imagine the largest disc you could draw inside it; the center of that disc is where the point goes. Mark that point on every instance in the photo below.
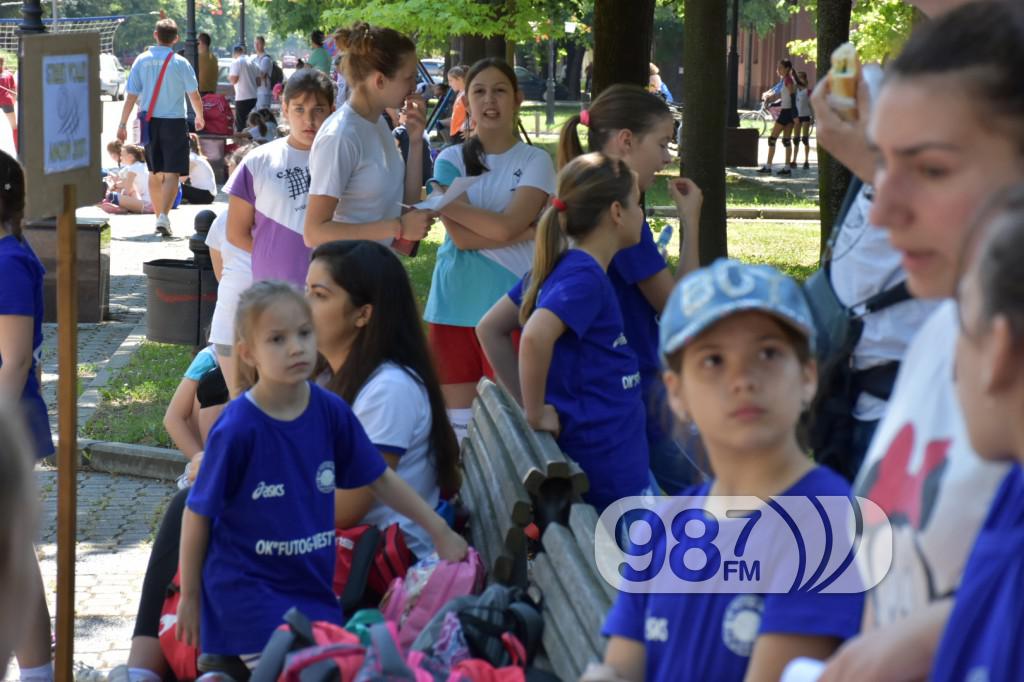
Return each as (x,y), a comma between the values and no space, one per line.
(438,200)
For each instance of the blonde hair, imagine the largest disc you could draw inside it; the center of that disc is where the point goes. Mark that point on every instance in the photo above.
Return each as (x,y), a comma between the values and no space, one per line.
(253,302)
(587,186)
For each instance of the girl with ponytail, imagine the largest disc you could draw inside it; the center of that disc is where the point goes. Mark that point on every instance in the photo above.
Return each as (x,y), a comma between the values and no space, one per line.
(489,242)
(628,123)
(577,376)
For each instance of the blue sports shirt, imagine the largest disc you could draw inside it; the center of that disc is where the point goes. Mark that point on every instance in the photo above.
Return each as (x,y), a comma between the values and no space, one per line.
(711,636)
(594,380)
(268,488)
(981,641)
(179,80)
(22,295)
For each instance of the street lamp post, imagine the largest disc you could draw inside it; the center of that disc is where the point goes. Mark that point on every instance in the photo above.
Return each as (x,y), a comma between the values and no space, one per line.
(241,24)
(734,68)
(191,44)
(551,80)
(31,18)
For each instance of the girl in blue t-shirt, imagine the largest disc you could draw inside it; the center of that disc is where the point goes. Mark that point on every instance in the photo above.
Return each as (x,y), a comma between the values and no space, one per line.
(737,341)
(21,340)
(576,374)
(489,241)
(629,123)
(983,631)
(258,534)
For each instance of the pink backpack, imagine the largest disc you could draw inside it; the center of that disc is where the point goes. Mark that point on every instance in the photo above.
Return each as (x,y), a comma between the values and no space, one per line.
(448,580)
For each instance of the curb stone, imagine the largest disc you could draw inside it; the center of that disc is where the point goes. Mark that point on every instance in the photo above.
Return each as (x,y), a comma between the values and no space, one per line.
(127,459)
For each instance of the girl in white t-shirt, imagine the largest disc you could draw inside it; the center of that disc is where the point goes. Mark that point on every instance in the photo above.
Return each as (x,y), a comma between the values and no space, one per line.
(133,194)
(200,187)
(359,182)
(804,116)
(489,241)
(934,173)
(368,331)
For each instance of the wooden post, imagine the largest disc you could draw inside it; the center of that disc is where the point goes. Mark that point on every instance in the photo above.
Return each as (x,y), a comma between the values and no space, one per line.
(67,421)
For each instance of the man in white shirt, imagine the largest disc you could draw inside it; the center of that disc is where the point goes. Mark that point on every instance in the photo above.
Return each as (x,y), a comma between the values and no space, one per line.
(242,75)
(264,65)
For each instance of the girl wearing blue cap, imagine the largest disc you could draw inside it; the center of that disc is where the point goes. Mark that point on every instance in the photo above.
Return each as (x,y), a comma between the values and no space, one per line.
(737,341)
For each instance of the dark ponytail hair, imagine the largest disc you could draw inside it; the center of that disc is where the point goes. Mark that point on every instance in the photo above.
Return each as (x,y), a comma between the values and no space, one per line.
(372,275)
(372,48)
(12,195)
(473,148)
(981,44)
(618,107)
(588,186)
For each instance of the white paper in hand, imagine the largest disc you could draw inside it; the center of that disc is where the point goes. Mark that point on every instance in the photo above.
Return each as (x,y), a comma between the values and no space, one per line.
(437,201)
(803,670)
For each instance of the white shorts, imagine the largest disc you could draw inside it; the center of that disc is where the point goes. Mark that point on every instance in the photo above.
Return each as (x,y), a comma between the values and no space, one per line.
(222,327)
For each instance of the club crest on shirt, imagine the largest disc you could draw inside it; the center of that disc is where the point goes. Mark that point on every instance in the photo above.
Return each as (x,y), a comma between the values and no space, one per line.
(325,477)
(741,623)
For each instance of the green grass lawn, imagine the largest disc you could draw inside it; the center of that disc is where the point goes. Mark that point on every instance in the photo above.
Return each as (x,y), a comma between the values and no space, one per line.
(134,402)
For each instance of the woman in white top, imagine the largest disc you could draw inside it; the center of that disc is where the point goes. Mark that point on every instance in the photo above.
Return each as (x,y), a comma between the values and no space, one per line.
(933,174)
(134,183)
(369,334)
(804,119)
(200,187)
(359,181)
(489,242)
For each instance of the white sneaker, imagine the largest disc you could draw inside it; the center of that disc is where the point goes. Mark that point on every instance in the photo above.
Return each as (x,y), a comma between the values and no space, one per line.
(163,225)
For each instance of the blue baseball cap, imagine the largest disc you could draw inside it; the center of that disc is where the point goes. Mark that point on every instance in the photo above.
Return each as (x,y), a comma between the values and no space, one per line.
(724,288)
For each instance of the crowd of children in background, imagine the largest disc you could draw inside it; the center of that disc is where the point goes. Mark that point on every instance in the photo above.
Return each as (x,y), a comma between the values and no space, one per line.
(311,413)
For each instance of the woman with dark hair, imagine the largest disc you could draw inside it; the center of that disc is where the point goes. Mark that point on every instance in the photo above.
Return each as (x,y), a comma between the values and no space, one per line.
(784,123)
(369,335)
(319,58)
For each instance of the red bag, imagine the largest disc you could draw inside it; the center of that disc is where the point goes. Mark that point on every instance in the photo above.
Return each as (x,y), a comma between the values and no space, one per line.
(218,116)
(299,645)
(180,657)
(367,561)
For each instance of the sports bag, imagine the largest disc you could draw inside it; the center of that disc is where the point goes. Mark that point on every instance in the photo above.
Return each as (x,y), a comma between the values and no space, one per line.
(308,651)
(367,561)
(412,601)
(181,658)
(217,114)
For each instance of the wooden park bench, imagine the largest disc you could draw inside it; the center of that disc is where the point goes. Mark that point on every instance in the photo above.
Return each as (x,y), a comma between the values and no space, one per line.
(515,476)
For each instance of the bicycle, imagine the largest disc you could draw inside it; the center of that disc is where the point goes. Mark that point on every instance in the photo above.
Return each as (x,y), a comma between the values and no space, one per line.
(762,119)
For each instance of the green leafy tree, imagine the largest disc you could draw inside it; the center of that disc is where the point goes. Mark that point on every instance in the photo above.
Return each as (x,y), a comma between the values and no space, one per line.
(878,28)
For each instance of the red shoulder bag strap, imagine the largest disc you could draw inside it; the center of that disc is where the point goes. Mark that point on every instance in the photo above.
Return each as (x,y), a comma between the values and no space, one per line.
(159,82)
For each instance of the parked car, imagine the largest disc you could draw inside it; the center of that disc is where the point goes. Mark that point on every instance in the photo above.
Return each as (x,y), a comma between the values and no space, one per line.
(289,61)
(435,67)
(224,86)
(113,78)
(533,86)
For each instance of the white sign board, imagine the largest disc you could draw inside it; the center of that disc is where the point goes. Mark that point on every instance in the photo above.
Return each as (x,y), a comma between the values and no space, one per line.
(66,126)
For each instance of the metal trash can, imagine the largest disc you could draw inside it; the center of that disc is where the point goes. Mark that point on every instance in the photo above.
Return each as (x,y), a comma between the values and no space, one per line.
(182,293)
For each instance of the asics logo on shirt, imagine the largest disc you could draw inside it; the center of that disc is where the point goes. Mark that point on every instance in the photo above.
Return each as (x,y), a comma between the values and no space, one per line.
(266,491)
(630,381)
(656,629)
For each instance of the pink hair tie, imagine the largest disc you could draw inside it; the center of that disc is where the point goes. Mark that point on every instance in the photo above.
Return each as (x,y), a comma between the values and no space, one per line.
(559,205)
(585,117)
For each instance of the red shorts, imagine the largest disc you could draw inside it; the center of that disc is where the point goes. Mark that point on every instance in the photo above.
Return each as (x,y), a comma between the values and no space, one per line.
(459,356)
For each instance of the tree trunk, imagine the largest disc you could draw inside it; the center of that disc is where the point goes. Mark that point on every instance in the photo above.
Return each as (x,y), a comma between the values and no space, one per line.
(574,68)
(705,90)
(833,177)
(622,42)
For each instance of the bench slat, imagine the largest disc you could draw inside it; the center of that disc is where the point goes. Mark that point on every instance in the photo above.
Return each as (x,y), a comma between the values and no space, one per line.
(517,435)
(484,519)
(576,573)
(568,647)
(583,522)
(497,467)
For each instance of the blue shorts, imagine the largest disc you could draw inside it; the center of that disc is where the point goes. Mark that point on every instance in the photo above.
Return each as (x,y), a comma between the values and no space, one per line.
(786,117)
